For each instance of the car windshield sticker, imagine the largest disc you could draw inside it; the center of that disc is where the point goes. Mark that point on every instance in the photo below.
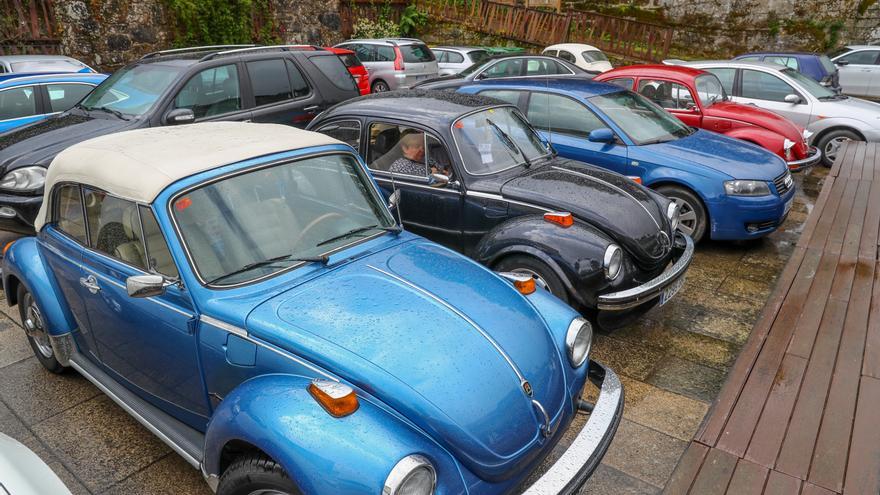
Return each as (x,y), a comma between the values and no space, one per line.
(183,203)
(485,152)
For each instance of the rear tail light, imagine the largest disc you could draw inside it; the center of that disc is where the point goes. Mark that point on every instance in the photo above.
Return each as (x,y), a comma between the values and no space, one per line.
(398,59)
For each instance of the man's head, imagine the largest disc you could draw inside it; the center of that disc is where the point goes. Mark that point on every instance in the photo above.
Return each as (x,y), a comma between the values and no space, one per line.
(412,144)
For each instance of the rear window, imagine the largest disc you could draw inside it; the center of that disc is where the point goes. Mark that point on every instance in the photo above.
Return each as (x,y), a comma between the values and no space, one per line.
(350,60)
(335,71)
(416,53)
(478,56)
(47,66)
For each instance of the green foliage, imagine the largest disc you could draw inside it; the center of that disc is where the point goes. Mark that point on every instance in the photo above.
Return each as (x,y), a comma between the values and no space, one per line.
(825,33)
(217,22)
(411,19)
(864,5)
(380,28)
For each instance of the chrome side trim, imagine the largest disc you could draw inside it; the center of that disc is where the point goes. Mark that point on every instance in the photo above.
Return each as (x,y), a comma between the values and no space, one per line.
(419,186)
(498,197)
(136,415)
(222,325)
(625,299)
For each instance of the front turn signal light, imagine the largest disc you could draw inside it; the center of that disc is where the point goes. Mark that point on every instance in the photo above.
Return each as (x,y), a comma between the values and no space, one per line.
(7,246)
(338,399)
(562,218)
(525,285)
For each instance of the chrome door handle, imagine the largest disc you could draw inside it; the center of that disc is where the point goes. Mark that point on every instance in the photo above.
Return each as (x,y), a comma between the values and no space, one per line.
(311,108)
(90,283)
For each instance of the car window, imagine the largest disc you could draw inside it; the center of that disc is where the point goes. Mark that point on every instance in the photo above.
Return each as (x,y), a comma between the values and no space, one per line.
(158,257)
(332,68)
(18,102)
(134,89)
(754,58)
(786,61)
(269,81)
(416,53)
(726,76)
(365,53)
(478,56)
(504,68)
(60,65)
(384,53)
(667,94)
(454,57)
(64,96)
(349,60)
(827,64)
(763,86)
(544,67)
(347,131)
(496,139)
(69,217)
(509,96)
(623,82)
(404,150)
(709,89)
(114,227)
(213,91)
(594,56)
(441,55)
(567,56)
(864,57)
(562,115)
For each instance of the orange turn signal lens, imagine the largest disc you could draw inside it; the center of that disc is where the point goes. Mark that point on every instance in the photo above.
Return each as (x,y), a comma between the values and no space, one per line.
(7,246)
(526,285)
(635,178)
(563,218)
(338,399)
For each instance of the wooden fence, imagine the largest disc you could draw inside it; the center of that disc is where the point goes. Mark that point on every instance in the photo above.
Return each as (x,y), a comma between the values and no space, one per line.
(28,26)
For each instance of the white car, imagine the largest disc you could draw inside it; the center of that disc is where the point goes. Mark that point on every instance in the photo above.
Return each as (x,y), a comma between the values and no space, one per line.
(23,473)
(454,59)
(829,118)
(587,57)
(41,63)
(859,70)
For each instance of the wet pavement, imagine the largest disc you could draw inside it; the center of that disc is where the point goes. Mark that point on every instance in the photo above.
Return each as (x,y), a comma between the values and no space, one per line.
(672,364)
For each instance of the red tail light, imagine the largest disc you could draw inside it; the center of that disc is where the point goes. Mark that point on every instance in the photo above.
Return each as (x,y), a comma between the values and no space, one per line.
(398,59)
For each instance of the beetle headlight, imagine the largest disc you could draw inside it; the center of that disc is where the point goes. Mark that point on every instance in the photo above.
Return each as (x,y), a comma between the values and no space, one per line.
(673,213)
(746,188)
(24,179)
(412,475)
(612,261)
(578,340)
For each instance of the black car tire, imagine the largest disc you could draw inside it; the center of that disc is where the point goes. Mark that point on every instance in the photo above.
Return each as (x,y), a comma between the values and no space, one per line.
(255,473)
(41,346)
(380,86)
(537,268)
(691,210)
(834,139)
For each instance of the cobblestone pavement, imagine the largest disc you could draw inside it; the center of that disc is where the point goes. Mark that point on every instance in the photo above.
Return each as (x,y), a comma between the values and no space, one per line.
(672,363)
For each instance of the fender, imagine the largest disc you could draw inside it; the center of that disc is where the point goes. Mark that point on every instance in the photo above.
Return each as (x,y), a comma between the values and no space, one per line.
(769,140)
(575,253)
(24,263)
(276,414)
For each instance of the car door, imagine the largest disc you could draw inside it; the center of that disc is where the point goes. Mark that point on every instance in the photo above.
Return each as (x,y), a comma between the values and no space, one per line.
(392,156)
(280,92)
(150,343)
(857,70)
(767,90)
(509,67)
(566,123)
(19,106)
(673,97)
(214,93)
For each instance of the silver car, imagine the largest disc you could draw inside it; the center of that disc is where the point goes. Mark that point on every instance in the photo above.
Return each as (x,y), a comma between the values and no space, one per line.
(859,69)
(41,63)
(394,63)
(454,59)
(829,118)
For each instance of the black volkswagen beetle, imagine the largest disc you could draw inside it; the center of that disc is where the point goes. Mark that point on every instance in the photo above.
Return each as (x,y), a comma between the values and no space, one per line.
(475,177)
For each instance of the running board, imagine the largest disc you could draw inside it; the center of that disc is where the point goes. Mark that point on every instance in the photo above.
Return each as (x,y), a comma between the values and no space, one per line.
(185,440)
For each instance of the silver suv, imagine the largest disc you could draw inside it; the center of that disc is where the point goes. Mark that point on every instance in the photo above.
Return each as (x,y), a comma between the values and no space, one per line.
(394,63)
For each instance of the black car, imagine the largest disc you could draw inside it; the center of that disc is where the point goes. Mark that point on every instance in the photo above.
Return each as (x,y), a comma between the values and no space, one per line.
(278,84)
(507,66)
(474,176)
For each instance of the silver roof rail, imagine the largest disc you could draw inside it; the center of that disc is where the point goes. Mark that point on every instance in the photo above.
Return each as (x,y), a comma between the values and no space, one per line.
(193,49)
(283,48)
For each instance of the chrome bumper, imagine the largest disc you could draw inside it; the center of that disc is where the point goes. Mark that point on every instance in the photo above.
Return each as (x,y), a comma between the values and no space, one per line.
(636,296)
(812,159)
(582,457)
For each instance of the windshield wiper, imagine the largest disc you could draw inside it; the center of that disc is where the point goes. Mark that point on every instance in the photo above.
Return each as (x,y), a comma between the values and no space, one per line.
(510,142)
(111,111)
(356,231)
(323,259)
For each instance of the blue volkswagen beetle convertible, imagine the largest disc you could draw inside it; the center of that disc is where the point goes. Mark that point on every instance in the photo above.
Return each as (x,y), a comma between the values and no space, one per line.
(243,291)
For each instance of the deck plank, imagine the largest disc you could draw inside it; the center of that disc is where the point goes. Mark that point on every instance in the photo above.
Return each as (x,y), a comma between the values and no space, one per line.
(687,469)
(863,467)
(748,479)
(715,473)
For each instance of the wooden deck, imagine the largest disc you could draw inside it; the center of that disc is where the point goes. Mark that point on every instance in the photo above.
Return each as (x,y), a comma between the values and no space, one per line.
(799,411)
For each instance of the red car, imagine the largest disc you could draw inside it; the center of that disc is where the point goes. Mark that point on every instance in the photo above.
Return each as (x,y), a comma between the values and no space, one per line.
(698,99)
(355,67)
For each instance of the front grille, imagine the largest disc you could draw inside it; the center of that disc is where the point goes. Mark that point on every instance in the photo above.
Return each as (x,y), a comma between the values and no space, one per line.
(782,185)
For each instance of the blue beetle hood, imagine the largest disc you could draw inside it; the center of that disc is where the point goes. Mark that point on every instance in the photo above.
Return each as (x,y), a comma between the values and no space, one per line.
(437,337)
(733,157)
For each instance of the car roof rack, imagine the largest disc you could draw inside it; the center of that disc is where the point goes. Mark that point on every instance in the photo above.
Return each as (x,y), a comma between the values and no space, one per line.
(281,48)
(175,51)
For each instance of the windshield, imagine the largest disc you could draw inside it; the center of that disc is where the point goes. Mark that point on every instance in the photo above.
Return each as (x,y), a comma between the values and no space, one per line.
(132,90)
(840,51)
(709,89)
(478,56)
(594,56)
(642,121)
(47,66)
(496,139)
(827,64)
(265,221)
(810,85)
(470,70)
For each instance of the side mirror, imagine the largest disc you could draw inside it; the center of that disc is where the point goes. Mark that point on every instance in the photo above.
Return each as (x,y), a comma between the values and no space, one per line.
(602,135)
(180,116)
(438,180)
(145,285)
(394,199)
(691,107)
(841,63)
(793,99)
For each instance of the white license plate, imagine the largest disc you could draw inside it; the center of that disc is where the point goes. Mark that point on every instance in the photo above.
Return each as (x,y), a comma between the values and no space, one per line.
(670,292)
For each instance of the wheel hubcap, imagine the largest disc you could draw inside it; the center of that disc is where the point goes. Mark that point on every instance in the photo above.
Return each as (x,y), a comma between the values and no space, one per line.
(687,220)
(539,281)
(833,146)
(33,324)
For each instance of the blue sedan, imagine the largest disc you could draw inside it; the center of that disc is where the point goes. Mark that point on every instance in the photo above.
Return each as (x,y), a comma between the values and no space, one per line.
(29,98)
(726,188)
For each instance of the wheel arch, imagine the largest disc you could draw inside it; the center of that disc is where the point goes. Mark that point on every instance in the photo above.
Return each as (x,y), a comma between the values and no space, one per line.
(700,198)
(837,127)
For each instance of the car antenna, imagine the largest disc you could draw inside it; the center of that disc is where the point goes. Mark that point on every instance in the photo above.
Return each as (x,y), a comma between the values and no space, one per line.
(549,125)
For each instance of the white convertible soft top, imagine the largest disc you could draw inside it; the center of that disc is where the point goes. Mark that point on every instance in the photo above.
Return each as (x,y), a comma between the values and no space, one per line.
(139,164)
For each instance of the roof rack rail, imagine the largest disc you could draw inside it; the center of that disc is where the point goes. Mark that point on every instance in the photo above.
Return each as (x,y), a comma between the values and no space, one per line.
(193,49)
(281,48)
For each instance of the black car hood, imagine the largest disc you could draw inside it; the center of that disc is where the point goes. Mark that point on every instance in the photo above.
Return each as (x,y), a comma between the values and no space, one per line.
(631,214)
(39,143)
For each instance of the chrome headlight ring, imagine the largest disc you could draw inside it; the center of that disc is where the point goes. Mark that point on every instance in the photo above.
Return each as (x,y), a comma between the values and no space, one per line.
(673,213)
(578,340)
(414,474)
(612,261)
(24,179)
